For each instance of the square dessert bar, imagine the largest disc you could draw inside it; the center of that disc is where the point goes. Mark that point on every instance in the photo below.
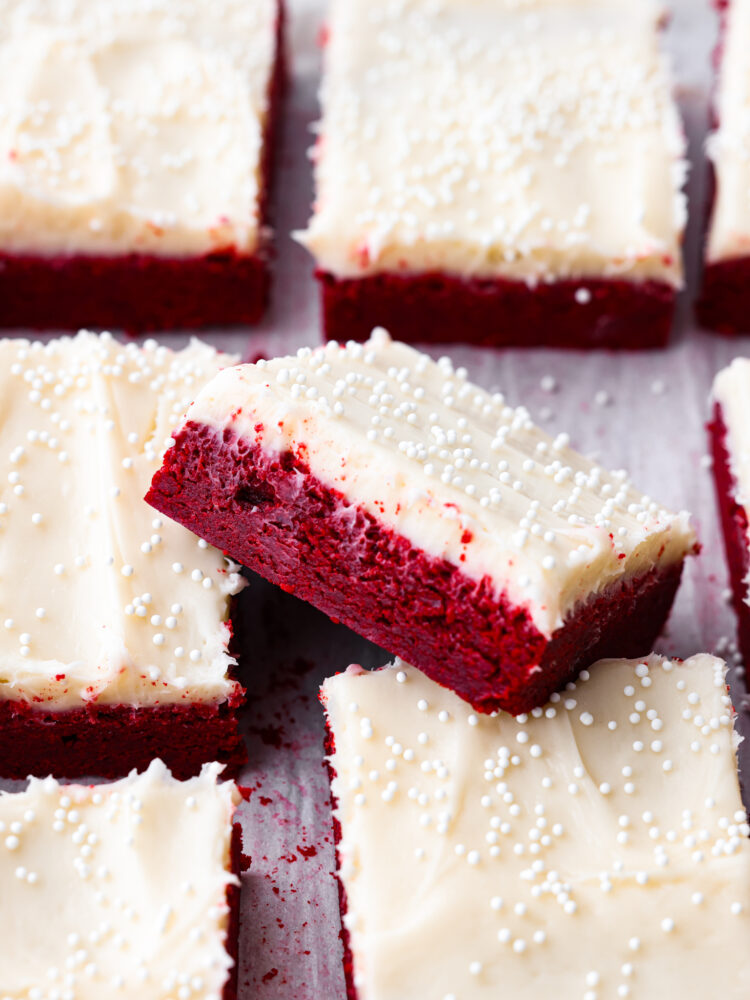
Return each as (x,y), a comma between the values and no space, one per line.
(114,631)
(129,889)
(729,432)
(594,849)
(724,304)
(135,156)
(498,173)
(426,514)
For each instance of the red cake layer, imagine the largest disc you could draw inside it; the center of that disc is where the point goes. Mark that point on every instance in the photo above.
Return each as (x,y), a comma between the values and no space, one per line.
(134,293)
(440,308)
(110,740)
(232,941)
(348,957)
(734,525)
(724,304)
(143,292)
(267,511)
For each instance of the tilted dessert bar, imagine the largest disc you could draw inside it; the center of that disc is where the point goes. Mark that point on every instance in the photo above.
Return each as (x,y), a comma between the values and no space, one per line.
(135,157)
(596,848)
(129,889)
(426,514)
(498,173)
(114,631)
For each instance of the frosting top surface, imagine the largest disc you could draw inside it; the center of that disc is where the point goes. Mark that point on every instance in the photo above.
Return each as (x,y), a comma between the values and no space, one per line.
(532,141)
(117,889)
(729,146)
(132,126)
(102,600)
(454,469)
(596,848)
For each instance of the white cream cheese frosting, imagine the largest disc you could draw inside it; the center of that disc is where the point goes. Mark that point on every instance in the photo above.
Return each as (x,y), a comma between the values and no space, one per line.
(532,141)
(117,890)
(457,471)
(595,849)
(729,145)
(133,126)
(101,600)
(731,390)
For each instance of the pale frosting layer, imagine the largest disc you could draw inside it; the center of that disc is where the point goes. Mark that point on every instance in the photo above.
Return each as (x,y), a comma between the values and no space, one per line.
(133,126)
(729,146)
(731,390)
(595,849)
(117,890)
(533,141)
(101,600)
(457,471)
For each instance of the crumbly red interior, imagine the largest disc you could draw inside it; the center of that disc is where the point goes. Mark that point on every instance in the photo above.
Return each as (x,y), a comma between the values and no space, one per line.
(267,511)
(734,525)
(141,292)
(110,740)
(441,308)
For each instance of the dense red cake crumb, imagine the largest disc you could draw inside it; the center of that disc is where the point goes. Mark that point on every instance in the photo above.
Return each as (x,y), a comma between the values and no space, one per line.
(139,292)
(232,943)
(734,525)
(724,303)
(348,957)
(440,308)
(270,513)
(110,740)
(134,293)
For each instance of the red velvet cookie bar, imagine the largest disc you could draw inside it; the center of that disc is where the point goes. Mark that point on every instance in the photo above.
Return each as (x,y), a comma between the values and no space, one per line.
(572,852)
(498,174)
(427,515)
(134,190)
(132,887)
(115,634)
